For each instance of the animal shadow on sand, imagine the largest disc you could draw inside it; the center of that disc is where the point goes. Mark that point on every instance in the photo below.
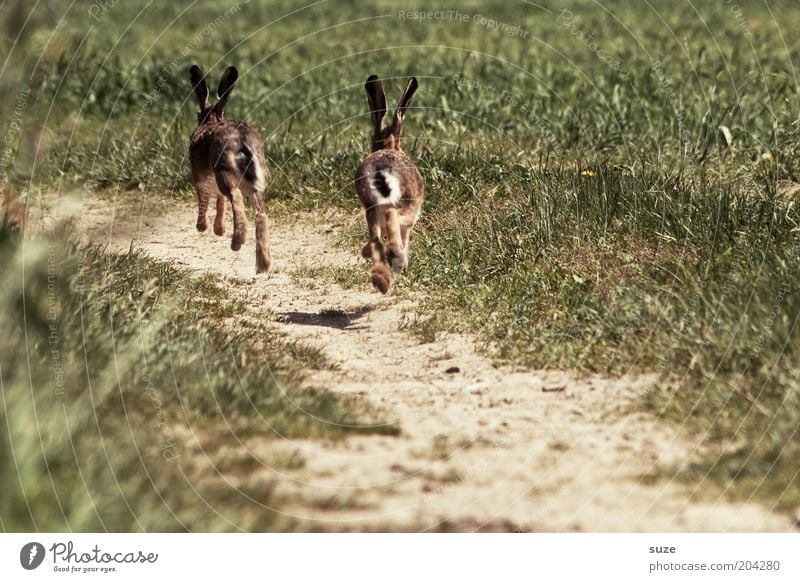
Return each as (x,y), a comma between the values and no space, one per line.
(334,318)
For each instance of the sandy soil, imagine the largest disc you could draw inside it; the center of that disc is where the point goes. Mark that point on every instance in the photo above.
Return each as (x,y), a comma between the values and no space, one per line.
(482,448)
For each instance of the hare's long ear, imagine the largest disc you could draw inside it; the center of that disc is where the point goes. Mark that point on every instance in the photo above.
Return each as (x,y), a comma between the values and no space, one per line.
(405,101)
(199,84)
(226,84)
(377,101)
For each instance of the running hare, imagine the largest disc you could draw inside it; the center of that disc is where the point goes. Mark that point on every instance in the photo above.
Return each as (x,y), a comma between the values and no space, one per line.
(227,158)
(390,187)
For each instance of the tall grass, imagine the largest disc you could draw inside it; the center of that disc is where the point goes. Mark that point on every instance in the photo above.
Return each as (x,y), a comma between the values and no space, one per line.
(120,107)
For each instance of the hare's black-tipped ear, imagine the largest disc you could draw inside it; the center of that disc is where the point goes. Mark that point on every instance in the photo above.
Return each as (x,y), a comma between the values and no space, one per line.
(226,84)
(405,100)
(377,100)
(199,84)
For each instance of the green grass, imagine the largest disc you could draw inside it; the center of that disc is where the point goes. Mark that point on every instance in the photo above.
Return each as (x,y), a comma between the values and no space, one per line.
(111,365)
(119,107)
(582,211)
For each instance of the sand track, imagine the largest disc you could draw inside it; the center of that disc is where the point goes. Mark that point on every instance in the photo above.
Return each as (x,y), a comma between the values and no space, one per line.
(481,449)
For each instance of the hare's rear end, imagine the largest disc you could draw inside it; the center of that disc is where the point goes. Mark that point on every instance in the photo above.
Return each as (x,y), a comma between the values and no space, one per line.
(390,187)
(227,159)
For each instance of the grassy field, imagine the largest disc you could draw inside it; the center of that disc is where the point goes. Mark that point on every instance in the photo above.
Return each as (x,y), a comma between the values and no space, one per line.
(611,187)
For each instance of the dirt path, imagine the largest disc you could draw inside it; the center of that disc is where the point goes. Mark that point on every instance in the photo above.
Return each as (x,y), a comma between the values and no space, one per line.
(481,449)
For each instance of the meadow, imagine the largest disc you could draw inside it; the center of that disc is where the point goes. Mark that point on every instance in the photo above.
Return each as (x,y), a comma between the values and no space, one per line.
(611,188)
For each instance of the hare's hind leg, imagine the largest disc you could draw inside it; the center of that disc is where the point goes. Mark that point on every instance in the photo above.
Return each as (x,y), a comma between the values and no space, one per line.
(228,182)
(381,276)
(204,185)
(262,237)
(406,224)
(376,226)
(396,253)
(405,234)
(219,219)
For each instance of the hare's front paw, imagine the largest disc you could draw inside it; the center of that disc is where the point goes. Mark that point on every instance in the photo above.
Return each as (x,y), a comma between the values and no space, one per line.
(262,265)
(237,240)
(397,259)
(366,251)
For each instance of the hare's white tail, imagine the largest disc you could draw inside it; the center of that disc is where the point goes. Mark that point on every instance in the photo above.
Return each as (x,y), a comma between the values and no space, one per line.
(385,188)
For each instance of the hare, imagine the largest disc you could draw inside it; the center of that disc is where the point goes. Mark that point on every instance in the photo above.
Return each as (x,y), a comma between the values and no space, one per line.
(390,187)
(227,159)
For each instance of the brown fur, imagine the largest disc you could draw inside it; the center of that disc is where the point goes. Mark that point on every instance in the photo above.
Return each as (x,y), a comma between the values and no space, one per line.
(12,212)
(389,186)
(262,249)
(381,277)
(227,160)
